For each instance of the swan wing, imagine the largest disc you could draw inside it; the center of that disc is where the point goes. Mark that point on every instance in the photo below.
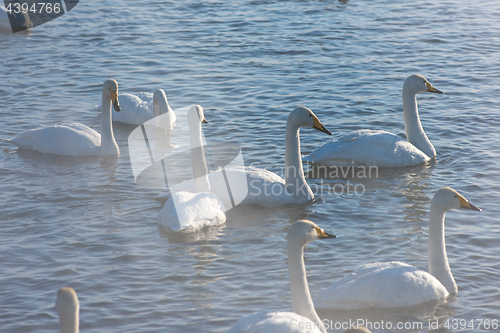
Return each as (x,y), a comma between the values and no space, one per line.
(382,285)
(369,148)
(71,139)
(135,109)
(191,212)
(263,174)
(274,322)
(144,97)
(265,188)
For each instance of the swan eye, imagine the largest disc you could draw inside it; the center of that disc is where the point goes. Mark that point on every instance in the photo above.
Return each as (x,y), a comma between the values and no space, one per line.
(310,115)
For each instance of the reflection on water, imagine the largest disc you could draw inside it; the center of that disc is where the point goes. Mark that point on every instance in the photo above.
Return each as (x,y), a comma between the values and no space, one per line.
(422,317)
(205,234)
(50,160)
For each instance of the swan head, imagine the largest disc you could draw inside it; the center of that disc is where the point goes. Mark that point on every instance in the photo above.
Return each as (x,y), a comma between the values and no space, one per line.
(447,198)
(110,89)
(67,306)
(302,116)
(418,84)
(196,115)
(304,231)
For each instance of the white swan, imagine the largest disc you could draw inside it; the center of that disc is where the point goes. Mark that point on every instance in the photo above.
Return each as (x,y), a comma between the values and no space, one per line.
(68,308)
(380,148)
(187,211)
(266,188)
(76,139)
(20,21)
(303,318)
(396,284)
(138,108)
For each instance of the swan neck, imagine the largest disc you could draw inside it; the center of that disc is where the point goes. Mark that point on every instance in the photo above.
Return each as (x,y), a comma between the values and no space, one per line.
(302,303)
(438,258)
(160,104)
(413,128)
(108,143)
(69,323)
(294,173)
(156,107)
(200,169)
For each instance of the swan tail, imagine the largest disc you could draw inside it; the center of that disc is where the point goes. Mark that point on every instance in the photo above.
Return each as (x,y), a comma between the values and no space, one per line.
(21,143)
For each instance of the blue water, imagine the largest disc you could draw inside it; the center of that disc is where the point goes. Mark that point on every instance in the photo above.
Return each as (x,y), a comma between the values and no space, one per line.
(84,223)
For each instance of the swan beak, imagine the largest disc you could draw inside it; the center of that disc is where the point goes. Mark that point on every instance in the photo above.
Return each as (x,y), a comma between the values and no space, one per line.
(466,204)
(204,121)
(319,126)
(114,99)
(322,234)
(431,89)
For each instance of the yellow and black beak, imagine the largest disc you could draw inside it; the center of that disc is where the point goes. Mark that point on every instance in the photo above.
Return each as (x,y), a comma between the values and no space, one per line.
(464,203)
(319,126)
(114,99)
(204,121)
(322,234)
(431,89)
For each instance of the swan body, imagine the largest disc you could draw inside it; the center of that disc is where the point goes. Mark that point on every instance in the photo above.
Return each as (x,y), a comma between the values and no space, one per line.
(382,285)
(138,108)
(191,211)
(266,188)
(74,139)
(304,317)
(68,308)
(396,284)
(367,147)
(380,148)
